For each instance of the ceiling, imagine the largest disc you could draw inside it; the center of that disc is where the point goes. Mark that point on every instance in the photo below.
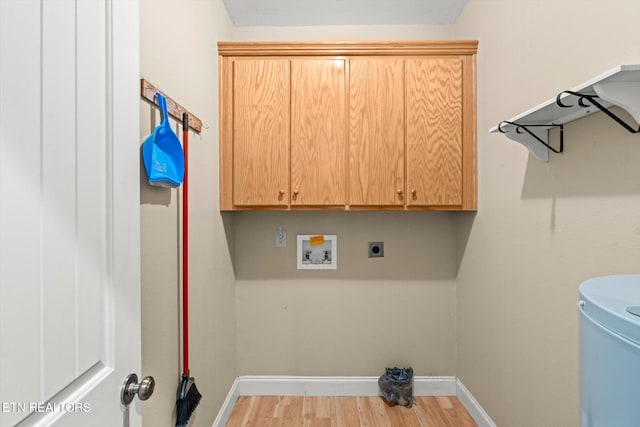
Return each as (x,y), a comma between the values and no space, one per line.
(258,13)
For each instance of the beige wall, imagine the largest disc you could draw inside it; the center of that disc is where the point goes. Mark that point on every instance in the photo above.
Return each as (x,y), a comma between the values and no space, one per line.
(178,54)
(370,313)
(346,32)
(542,228)
(506,291)
(354,321)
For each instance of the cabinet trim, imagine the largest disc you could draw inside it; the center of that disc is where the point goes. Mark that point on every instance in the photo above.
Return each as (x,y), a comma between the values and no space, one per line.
(360,48)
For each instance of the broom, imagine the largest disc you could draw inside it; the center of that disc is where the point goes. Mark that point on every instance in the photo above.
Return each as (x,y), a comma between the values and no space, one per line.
(188,394)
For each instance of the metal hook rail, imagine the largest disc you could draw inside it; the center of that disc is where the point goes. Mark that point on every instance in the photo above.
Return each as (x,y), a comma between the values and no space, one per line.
(148,92)
(593,102)
(520,128)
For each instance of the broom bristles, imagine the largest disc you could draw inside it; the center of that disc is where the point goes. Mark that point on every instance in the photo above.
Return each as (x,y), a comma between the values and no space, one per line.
(187,404)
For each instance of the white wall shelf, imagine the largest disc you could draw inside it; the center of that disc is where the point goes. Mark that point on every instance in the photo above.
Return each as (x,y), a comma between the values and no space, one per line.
(617,87)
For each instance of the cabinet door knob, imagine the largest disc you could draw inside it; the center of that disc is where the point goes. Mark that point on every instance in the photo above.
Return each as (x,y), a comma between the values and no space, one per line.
(414,193)
(280,194)
(295,194)
(399,194)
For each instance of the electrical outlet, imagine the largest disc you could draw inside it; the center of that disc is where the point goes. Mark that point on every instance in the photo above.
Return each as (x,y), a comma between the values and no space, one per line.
(376,249)
(281,237)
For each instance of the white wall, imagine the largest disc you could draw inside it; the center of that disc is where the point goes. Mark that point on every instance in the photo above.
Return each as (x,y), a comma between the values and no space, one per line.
(542,228)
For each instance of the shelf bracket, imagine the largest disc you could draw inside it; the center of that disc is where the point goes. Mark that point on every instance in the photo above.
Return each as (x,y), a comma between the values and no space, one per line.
(527,133)
(618,87)
(591,99)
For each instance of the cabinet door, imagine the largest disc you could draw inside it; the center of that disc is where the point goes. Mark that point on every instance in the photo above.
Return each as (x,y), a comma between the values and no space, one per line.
(376,132)
(261,132)
(318,133)
(434,132)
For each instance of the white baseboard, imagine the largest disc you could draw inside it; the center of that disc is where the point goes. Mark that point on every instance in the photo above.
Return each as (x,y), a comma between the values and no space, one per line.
(472,406)
(344,386)
(227,406)
(337,386)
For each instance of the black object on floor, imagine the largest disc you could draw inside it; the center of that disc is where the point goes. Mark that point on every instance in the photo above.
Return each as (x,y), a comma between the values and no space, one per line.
(188,399)
(396,386)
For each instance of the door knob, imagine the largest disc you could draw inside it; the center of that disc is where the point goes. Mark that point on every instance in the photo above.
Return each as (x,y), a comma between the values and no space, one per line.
(130,388)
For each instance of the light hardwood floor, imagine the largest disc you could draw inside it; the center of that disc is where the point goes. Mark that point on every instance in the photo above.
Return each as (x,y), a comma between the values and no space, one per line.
(313,411)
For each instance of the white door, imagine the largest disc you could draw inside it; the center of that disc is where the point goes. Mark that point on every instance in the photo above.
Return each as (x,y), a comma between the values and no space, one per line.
(69,211)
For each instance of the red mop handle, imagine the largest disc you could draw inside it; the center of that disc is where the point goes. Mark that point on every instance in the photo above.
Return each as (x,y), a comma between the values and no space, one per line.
(185,245)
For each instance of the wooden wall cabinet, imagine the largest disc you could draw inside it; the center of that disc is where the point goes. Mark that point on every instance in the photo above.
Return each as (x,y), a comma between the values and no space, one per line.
(348,125)
(261,133)
(318,139)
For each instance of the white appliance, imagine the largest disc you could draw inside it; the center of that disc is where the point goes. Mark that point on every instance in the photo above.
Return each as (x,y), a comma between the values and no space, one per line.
(610,351)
